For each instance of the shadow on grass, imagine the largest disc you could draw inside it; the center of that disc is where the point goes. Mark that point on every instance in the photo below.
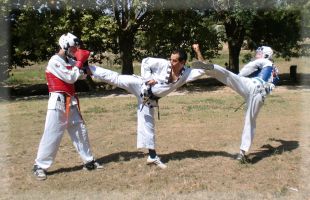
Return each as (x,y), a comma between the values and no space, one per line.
(179,155)
(126,156)
(115,157)
(269,150)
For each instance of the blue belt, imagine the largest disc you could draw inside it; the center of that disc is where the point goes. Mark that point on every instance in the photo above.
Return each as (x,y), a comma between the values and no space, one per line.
(260,80)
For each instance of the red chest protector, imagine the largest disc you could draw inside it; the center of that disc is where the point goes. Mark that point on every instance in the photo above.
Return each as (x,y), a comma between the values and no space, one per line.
(57,85)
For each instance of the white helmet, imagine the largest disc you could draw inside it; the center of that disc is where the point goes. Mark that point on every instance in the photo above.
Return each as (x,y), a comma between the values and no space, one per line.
(68,40)
(266,51)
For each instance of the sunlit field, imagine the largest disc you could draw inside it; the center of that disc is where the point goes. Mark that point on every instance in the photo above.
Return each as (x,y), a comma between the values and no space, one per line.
(197,136)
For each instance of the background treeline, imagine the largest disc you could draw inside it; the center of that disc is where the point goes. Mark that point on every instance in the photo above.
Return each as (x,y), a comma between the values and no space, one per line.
(133,29)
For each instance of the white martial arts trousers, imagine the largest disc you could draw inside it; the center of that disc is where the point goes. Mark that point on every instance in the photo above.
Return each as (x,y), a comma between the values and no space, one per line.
(133,84)
(252,91)
(55,125)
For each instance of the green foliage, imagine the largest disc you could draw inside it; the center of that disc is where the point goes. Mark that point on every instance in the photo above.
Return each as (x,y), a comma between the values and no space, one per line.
(275,23)
(258,23)
(99,33)
(171,29)
(306,19)
(139,28)
(31,39)
(247,58)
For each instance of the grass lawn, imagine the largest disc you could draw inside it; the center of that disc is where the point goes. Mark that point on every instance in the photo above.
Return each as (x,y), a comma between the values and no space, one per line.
(198,136)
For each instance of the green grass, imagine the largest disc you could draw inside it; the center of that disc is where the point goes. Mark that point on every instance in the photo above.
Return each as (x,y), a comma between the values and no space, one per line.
(35,74)
(198,147)
(29,75)
(96,109)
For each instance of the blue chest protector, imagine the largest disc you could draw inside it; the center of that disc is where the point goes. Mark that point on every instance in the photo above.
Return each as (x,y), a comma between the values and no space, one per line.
(266,74)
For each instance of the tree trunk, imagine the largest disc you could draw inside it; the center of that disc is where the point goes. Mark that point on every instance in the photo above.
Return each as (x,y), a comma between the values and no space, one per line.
(234,52)
(4,51)
(235,35)
(126,45)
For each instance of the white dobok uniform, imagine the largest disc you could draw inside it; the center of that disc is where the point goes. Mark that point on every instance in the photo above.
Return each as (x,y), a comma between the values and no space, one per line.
(151,68)
(254,83)
(62,113)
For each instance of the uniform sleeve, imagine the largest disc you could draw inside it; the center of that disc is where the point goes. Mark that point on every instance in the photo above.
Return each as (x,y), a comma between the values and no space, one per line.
(146,71)
(248,69)
(254,66)
(154,68)
(194,74)
(67,73)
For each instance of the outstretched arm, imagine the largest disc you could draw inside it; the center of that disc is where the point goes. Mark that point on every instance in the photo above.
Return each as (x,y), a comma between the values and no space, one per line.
(198,52)
(200,63)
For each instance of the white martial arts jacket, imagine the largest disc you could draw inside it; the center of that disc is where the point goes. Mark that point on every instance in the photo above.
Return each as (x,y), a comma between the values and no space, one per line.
(160,69)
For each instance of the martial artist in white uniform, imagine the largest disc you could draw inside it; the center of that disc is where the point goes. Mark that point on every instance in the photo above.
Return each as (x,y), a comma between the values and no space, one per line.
(63,108)
(254,82)
(158,78)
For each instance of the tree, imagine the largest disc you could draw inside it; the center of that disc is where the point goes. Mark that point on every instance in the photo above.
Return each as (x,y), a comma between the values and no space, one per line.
(124,27)
(270,27)
(129,15)
(36,27)
(4,44)
(236,21)
(34,32)
(135,28)
(173,28)
(253,22)
(306,28)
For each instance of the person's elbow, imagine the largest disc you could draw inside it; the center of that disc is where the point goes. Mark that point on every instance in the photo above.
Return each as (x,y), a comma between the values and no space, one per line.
(72,78)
